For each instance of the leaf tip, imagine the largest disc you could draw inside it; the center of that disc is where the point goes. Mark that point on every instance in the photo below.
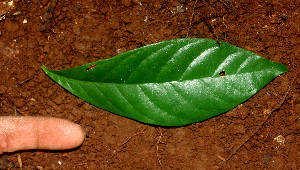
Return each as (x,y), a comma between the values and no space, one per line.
(45,69)
(282,69)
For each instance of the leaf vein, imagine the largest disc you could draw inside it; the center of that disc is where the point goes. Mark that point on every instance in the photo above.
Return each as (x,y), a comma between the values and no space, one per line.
(174,89)
(225,62)
(149,57)
(86,93)
(126,100)
(105,97)
(168,63)
(165,112)
(198,59)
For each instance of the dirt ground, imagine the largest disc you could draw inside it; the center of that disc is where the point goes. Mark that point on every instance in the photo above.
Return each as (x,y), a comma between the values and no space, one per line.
(64,34)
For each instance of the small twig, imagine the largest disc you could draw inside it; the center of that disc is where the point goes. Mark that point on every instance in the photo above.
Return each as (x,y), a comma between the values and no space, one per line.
(19,161)
(122,145)
(139,2)
(188,31)
(157,148)
(157,145)
(24,81)
(263,122)
(15,111)
(141,132)
(228,7)
(225,4)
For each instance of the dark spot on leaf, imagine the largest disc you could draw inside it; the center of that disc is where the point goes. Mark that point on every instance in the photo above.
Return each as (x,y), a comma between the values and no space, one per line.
(91,67)
(219,43)
(222,73)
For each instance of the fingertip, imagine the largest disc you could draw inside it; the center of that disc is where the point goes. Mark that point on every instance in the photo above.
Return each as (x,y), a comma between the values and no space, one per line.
(62,134)
(75,134)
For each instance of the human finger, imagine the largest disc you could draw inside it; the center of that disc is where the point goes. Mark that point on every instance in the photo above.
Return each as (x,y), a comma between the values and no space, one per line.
(24,133)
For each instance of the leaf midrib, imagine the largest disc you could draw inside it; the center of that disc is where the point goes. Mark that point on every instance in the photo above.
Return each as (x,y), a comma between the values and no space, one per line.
(94,82)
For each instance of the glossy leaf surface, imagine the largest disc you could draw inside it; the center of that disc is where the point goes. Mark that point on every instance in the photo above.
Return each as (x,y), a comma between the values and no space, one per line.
(171,83)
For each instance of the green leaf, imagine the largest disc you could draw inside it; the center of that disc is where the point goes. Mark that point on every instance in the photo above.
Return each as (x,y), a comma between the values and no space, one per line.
(171,83)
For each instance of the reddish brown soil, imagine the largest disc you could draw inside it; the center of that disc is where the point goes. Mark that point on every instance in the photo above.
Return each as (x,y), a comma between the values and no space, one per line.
(65,34)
